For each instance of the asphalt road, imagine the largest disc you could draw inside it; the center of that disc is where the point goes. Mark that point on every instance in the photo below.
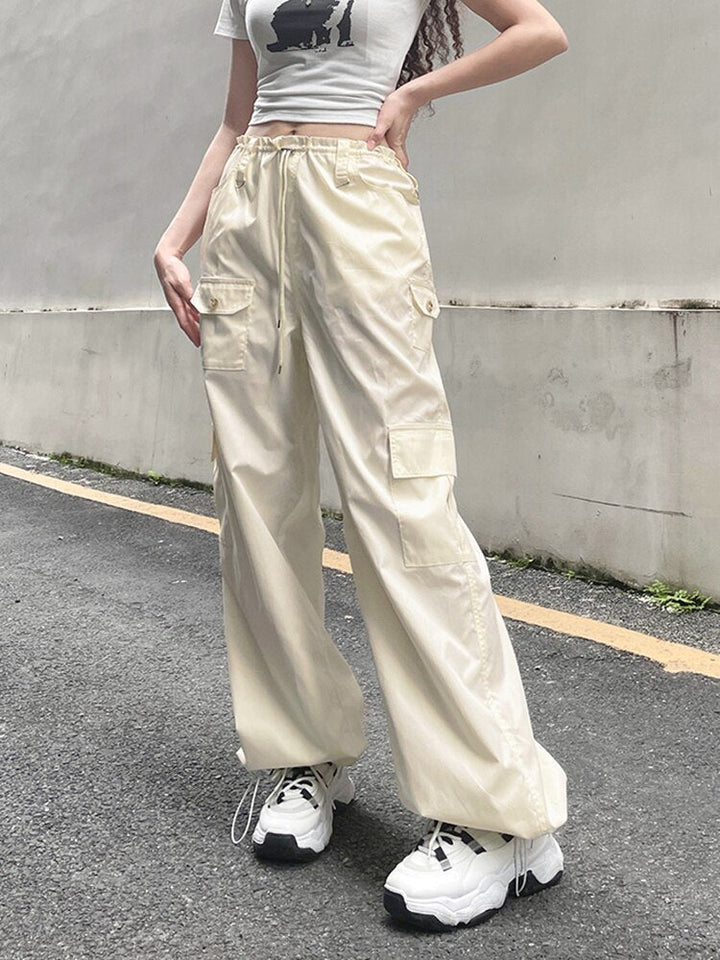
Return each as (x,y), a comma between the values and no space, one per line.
(119,778)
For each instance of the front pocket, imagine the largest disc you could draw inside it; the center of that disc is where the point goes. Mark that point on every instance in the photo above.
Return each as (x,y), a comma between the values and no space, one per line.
(384,171)
(423,470)
(225,308)
(411,179)
(229,170)
(232,165)
(425,308)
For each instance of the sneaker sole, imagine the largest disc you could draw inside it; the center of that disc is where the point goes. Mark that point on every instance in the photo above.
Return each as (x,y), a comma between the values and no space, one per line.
(395,905)
(285,848)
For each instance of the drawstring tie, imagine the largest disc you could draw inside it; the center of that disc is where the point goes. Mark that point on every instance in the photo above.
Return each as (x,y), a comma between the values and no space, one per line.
(284,158)
(521,849)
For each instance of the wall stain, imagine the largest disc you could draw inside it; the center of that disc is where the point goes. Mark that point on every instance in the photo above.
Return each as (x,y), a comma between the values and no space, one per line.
(594,412)
(673,375)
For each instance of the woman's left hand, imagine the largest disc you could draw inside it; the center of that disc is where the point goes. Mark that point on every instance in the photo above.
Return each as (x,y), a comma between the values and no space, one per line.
(393,122)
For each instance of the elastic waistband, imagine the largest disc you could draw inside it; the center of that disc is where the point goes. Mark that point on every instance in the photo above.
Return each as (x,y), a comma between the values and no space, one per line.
(297,141)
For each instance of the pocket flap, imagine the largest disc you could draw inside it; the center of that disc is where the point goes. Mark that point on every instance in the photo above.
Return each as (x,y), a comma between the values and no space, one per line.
(425,298)
(222,294)
(422,450)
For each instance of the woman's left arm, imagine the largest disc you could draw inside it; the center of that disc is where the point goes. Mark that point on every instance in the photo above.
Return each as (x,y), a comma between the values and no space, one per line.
(529,35)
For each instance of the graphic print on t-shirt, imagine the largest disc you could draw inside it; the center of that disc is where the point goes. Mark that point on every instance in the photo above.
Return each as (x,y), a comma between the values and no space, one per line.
(311,24)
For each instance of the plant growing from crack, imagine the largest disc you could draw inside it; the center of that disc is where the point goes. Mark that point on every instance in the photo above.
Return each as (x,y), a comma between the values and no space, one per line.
(678,600)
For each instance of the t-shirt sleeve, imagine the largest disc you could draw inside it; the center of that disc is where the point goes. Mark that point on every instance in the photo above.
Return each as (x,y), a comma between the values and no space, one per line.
(231,22)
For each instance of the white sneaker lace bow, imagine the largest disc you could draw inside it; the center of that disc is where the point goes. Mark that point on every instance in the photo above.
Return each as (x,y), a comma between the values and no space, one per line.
(284,779)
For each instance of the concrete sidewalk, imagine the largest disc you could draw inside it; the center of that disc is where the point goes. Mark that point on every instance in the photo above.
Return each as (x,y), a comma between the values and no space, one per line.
(120,781)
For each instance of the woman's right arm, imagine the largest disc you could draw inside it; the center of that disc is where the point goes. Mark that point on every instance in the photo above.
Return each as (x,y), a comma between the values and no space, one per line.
(187,225)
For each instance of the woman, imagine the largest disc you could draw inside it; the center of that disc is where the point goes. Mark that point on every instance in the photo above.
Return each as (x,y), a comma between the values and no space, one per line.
(314,309)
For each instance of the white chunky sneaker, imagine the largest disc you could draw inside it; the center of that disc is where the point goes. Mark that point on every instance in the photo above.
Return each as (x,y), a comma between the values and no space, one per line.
(296,820)
(457,876)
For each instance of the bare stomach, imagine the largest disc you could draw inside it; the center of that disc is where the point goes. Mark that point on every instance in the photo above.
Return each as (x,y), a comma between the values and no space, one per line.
(276,128)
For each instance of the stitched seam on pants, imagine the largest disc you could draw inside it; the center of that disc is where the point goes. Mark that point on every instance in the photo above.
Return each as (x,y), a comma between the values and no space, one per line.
(510,737)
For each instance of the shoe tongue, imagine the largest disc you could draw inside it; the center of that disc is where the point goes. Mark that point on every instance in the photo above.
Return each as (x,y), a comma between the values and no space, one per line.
(452,828)
(295,772)
(299,785)
(301,778)
(488,839)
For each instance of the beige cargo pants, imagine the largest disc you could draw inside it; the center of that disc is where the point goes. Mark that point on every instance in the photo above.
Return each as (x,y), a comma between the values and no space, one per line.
(317,302)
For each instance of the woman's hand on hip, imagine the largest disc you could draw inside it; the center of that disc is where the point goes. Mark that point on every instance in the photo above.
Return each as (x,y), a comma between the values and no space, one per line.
(393,122)
(177,287)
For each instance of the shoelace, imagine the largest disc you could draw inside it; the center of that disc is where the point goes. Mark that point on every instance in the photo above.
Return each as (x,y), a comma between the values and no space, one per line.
(284,778)
(431,843)
(431,840)
(523,846)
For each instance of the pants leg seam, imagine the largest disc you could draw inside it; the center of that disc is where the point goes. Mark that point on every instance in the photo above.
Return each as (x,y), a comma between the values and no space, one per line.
(510,737)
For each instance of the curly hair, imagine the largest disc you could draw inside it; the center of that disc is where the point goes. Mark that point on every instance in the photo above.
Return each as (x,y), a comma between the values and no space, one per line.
(440,23)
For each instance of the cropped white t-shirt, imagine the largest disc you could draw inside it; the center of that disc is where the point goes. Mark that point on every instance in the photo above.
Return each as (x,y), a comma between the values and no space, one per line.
(328,61)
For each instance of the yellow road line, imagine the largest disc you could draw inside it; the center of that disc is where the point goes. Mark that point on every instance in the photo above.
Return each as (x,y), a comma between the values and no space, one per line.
(171,514)
(674,657)
(336,560)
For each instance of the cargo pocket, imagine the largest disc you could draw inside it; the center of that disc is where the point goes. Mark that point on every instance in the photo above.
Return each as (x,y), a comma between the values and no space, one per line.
(423,468)
(425,308)
(225,308)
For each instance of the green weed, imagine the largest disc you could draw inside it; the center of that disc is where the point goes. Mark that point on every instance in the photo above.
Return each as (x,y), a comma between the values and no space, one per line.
(677,599)
(67,459)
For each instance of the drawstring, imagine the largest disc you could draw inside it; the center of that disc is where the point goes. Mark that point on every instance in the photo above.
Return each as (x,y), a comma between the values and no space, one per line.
(284,157)
(520,862)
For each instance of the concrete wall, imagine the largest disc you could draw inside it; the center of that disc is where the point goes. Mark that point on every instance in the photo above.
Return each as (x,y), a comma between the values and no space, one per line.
(589,182)
(591,436)
(587,436)
(117,386)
